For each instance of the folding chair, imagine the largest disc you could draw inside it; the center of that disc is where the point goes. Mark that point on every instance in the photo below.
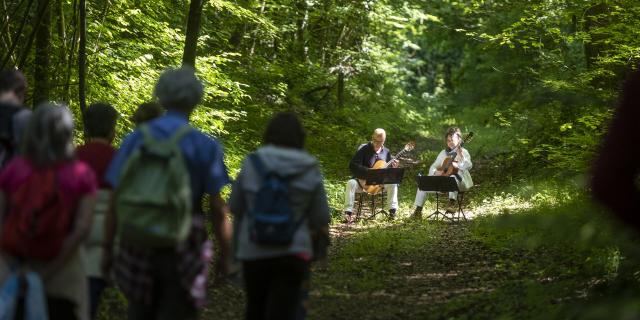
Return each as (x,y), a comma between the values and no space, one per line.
(379,177)
(376,202)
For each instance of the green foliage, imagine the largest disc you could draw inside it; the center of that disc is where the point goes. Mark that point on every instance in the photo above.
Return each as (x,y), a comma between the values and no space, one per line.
(113,305)
(535,81)
(577,245)
(575,144)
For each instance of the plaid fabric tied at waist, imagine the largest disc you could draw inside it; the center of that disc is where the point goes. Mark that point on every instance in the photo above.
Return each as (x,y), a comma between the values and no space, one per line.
(135,271)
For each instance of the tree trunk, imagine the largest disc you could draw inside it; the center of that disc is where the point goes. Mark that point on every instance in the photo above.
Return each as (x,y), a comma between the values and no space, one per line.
(263,5)
(593,48)
(301,24)
(340,93)
(71,54)
(43,54)
(82,59)
(241,29)
(14,44)
(6,16)
(27,47)
(62,31)
(193,28)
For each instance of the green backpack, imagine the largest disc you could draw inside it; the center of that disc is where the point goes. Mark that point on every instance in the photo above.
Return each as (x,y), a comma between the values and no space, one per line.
(153,199)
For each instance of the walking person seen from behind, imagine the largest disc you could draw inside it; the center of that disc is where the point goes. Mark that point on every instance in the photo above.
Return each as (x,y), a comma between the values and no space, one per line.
(160,175)
(13,116)
(280,214)
(48,190)
(100,128)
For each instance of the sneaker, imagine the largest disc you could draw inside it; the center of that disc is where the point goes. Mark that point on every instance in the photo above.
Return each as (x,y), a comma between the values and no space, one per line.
(417,214)
(347,217)
(392,214)
(451,206)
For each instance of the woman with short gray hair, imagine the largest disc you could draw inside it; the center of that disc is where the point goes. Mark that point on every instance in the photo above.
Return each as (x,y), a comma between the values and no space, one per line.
(50,191)
(179,89)
(48,138)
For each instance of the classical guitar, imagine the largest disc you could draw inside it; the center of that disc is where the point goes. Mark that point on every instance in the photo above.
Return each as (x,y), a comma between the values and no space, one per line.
(381,164)
(447,168)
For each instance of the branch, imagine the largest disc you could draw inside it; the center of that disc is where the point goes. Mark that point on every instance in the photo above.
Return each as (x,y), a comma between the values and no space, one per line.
(32,36)
(17,36)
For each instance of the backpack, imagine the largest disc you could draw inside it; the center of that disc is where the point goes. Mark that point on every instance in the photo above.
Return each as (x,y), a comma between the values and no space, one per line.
(39,218)
(7,137)
(271,220)
(153,198)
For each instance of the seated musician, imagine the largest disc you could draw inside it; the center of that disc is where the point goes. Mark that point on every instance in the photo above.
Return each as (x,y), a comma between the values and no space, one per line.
(365,158)
(462,163)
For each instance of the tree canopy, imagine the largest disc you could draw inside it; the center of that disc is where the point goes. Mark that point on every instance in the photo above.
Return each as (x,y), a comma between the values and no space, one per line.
(536,80)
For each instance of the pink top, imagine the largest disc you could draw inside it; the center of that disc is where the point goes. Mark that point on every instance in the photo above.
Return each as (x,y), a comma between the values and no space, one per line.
(75,178)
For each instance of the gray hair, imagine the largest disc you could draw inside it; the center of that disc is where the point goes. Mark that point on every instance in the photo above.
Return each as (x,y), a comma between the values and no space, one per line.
(48,138)
(379,132)
(179,89)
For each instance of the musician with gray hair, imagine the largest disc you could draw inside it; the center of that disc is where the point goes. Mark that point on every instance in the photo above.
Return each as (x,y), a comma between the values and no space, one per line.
(365,158)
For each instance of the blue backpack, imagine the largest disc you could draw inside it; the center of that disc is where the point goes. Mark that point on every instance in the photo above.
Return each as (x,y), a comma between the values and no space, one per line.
(272,220)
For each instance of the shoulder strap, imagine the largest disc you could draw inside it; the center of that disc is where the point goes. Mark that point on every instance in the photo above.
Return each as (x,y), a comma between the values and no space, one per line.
(177,135)
(258,164)
(181,132)
(146,133)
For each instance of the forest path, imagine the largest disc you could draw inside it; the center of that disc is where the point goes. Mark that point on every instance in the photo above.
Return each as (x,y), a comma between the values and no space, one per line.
(402,270)
(411,270)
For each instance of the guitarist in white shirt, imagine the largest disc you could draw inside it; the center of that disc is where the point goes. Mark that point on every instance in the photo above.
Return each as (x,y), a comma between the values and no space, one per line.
(461,163)
(366,156)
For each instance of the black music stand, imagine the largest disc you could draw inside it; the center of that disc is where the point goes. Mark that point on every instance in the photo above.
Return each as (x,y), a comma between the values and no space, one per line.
(384,176)
(440,184)
(378,177)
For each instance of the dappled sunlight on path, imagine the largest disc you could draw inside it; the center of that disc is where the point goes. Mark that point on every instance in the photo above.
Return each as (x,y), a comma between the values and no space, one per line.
(447,266)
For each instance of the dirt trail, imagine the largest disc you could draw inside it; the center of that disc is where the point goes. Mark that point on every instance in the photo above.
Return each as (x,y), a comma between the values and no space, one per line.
(449,266)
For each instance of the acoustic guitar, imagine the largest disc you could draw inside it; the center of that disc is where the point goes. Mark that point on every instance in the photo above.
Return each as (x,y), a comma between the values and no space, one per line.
(447,168)
(381,164)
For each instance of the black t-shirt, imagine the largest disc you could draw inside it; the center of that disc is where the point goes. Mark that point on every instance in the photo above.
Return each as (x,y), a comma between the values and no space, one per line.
(364,159)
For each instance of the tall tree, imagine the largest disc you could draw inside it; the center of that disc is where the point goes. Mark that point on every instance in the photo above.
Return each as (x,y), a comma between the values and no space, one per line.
(43,53)
(193,29)
(70,57)
(82,57)
(301,23)
(18,33)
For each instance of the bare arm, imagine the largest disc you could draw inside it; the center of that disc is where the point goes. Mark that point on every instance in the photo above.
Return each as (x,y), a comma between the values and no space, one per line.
(110,221)
(82,227)
(319,218)
(222,231)
(110,225)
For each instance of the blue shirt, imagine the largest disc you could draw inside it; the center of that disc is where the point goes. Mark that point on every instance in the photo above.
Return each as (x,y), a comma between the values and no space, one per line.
(203,155)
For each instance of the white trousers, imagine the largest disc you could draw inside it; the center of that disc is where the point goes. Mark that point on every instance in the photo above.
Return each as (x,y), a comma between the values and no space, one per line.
(421,197)
(353,187)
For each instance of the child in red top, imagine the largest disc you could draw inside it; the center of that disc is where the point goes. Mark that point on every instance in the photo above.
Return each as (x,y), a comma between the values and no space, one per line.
(100,126)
